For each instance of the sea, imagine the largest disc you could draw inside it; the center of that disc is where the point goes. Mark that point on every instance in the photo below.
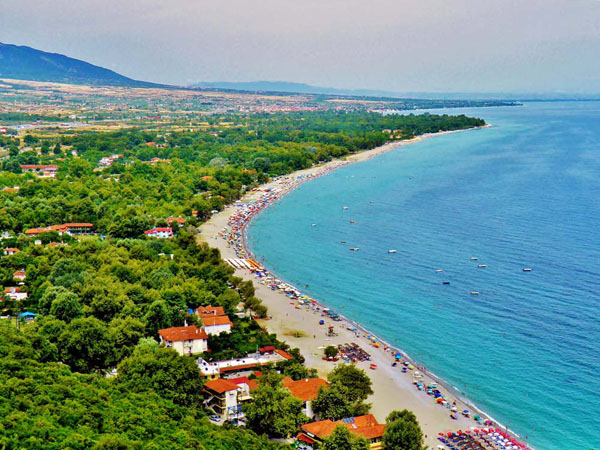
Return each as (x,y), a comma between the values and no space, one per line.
(521,194)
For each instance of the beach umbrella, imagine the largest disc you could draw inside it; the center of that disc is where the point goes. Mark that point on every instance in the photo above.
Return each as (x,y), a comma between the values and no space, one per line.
(441,434)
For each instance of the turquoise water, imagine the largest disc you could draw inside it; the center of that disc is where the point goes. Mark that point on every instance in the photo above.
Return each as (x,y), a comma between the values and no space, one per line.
(523,193)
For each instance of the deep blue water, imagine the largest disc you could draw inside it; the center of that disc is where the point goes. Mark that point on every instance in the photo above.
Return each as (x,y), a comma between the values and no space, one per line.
(523,193)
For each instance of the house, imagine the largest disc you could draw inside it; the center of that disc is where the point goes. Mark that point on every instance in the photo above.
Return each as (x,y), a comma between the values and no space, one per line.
(210,311)
(246,386)
(185,340)
(177,220)
(217,325)
(213,370)
(27,316)
(160,233)
(20,275)
(305,390)
(42,171)
(11,189)
(311,434)
(72,229)
(11,251)
(221,396)
(214,319)
(14,293)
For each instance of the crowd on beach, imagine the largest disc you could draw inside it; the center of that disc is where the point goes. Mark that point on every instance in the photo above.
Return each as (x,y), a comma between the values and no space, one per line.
(234,235)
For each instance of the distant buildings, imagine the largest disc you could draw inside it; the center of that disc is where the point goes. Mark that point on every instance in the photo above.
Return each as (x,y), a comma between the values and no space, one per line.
(108,161)
(10,251)
(20,275)
(14,293)
(42,171)
(185,340)
(71,229)
(160,233)
(175,220)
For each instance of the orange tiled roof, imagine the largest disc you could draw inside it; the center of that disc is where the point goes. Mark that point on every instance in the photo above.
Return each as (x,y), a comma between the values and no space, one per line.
(306,389)
(210,311)
(218,320)
(220,385)
(285,354)
(177,334)
(366,426)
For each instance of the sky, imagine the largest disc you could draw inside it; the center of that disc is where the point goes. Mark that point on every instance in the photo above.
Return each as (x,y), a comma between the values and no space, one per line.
(396,45)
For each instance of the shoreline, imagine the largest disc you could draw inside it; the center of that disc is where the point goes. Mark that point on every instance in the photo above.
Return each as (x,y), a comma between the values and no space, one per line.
(227,231)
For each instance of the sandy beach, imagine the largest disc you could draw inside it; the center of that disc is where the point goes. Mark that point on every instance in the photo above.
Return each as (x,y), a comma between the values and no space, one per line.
(393,390)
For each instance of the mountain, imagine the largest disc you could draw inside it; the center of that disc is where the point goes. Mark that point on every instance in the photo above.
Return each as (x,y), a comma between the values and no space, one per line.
(26,63)
(303,88)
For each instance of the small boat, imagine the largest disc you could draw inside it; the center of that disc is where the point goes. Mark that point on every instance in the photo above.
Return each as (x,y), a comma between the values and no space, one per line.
(481,266)
(345,207)
(438,270)
(445,282)
(527,269)
(343,242)
(352,221)
(473,258)
(354,249)
(391,251)
(314,224)
(474,292)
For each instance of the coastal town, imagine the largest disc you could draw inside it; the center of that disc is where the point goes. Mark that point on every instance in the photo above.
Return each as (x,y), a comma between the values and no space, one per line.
(131,230)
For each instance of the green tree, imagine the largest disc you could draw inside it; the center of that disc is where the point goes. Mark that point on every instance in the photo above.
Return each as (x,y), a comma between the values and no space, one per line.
(51,294)
(86,345)
(156,318)
(162,370)
(332,403)
(354,379)
(57,149)
(126,333)
(29,139)
(330,351)
(66,307)
(273,410)
(342,439)
(405,434)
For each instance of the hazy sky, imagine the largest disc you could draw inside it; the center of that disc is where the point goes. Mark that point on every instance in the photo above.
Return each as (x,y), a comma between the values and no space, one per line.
(399,45)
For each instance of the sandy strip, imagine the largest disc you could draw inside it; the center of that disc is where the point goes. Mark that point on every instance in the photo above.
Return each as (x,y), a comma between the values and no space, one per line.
(394,390)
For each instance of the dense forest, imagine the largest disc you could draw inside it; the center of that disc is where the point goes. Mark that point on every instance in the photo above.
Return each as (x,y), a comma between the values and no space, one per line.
(101,299)
(204,170)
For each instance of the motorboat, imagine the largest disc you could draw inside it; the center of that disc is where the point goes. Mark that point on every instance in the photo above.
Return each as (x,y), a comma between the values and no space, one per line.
(354,249)
(481,266)
(391,251)
(527,269)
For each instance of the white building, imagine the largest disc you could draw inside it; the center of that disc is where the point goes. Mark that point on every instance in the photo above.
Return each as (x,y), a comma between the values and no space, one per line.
(14,293)
(217,325)
(186,340)
(160,233)
(222,397)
